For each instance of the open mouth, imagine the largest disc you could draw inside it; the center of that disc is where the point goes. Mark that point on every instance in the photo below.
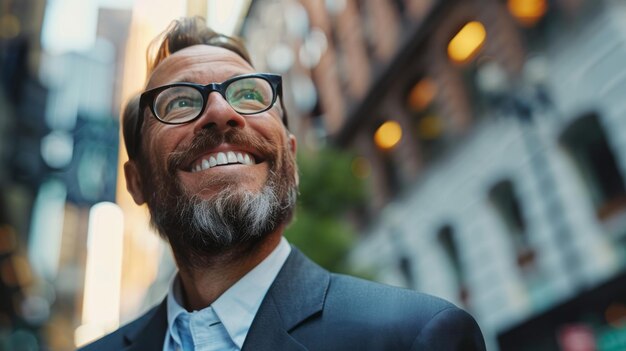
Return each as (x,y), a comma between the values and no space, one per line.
(221,159)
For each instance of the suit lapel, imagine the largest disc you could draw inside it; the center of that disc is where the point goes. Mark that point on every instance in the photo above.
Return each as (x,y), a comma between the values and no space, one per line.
(298,292)
(267,333)
(152,335)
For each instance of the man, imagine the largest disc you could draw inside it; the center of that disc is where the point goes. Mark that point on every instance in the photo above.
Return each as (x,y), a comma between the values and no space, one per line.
(211,155)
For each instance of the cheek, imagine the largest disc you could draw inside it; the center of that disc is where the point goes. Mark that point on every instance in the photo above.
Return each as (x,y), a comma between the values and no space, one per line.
(284,157)
(277,138)
(162,142)
(269,124)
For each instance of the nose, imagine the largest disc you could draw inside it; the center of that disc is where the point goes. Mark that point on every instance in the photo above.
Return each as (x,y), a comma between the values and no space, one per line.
(219,115)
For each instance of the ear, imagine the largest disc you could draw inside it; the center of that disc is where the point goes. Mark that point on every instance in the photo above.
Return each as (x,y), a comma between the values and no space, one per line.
(292,143)
(133,182)
(292,147)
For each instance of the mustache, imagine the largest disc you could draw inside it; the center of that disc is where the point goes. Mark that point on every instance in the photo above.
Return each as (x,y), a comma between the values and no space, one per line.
(208,139)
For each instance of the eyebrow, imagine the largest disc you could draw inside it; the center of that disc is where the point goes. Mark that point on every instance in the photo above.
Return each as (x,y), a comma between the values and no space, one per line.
(189,79)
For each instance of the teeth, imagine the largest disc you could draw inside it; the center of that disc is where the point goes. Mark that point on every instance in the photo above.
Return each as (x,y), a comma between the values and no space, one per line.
(222,158)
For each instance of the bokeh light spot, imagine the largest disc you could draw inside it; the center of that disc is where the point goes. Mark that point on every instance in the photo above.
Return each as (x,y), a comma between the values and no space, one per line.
(527,12)
(422,94)
(466,43)
(388,135)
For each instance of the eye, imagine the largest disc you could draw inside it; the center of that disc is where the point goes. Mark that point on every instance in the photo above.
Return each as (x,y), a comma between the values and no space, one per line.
(179,103)
(247,94)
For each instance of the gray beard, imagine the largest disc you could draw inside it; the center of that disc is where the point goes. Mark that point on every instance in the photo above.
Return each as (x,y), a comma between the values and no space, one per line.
(233,220)
(230,222)
(235,215)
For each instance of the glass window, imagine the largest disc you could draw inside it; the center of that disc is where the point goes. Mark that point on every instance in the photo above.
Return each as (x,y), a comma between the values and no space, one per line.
(587,145)
(447,240)
(506,203)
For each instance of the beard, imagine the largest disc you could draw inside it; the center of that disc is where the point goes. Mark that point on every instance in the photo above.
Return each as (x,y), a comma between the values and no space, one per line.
(233,220)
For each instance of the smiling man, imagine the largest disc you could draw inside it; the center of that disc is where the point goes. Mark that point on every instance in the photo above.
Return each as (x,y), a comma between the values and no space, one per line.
(212,157)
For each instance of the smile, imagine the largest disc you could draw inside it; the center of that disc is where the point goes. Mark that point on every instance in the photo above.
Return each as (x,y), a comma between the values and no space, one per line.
(222,158)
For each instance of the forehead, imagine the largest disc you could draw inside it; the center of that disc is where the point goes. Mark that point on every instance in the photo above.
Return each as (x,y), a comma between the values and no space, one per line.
(199,64)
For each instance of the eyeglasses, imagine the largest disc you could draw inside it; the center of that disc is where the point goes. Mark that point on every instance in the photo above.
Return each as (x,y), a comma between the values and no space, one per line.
(182,103)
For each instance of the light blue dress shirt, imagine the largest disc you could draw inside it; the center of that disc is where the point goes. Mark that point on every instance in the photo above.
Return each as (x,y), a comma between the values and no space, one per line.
(225,323)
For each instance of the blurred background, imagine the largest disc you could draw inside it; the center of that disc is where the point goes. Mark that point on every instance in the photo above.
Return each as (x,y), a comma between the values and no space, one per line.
(470,149)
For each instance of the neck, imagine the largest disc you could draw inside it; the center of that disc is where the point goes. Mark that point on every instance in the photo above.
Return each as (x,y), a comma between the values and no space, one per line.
(203,285)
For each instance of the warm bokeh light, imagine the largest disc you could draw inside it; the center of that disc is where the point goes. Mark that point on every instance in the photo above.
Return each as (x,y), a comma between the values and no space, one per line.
(422,94)
(466,43)
(361,167)
(103,272)
(527,12)
(388,135)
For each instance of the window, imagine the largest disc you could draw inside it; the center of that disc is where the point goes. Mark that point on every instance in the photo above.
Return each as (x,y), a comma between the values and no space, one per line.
(446,237)
(586,143)
(427,125)
(506,203)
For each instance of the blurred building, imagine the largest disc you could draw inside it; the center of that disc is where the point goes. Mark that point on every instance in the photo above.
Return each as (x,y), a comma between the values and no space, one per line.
(85,98)
(59,136)
(492,134)
(22,106)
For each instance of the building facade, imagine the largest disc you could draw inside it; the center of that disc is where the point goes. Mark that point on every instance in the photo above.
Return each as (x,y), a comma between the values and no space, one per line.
(22,107)
(492,134)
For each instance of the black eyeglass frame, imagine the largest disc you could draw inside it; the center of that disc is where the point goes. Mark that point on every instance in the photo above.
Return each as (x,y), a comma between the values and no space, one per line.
(147,98)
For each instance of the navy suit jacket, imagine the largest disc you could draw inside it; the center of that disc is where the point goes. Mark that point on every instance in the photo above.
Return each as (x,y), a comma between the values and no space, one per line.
(308,308)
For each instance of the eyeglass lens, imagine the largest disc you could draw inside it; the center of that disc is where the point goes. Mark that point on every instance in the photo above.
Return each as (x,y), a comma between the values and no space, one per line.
(179,104)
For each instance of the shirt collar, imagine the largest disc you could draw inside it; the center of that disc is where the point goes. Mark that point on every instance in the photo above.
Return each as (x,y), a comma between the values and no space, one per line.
(174,308)
(238,305)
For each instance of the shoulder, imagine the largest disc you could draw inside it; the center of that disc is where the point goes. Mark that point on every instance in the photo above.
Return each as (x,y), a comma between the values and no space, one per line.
(356,314)
(362,296)
(119,339)
(421,320)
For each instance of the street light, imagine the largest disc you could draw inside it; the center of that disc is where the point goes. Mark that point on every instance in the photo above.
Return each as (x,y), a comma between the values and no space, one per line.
(522,100)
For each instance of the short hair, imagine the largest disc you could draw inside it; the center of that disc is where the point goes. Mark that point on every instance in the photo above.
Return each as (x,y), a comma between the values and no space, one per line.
(180,34)
(129,123)
(186,32)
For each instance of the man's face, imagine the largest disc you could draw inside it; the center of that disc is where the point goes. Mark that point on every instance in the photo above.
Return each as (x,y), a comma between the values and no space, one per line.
(179,188)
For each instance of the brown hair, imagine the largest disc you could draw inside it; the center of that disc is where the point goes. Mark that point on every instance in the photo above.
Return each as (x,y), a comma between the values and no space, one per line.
(189,31)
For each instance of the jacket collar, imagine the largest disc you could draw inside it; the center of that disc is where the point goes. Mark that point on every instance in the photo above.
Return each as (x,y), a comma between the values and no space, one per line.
(152,335)
(298,293)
